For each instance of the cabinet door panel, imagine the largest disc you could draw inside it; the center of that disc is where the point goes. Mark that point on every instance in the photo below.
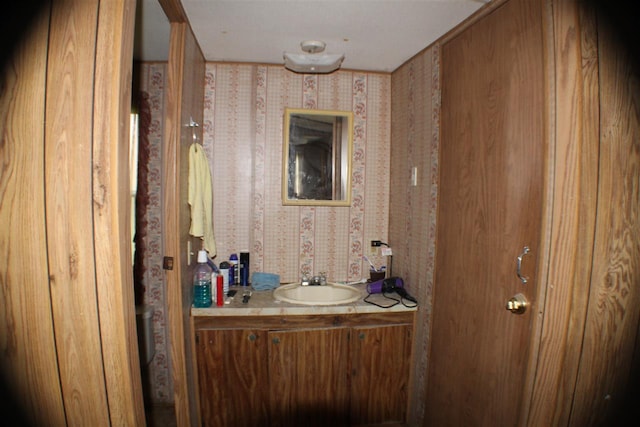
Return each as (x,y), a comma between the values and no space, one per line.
(308,377)
(380,359)
(233,377)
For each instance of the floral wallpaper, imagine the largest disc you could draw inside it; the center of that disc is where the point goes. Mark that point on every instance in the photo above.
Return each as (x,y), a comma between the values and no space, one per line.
(412,224)
(243,119)
(160,382)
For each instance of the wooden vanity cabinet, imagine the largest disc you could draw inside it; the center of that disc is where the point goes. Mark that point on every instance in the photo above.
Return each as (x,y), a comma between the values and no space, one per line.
(308,377)
(380,364)
(346,370)
(232,374)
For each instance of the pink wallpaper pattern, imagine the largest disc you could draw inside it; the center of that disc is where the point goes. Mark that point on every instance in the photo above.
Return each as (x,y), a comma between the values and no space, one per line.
(243,117)
(152,81)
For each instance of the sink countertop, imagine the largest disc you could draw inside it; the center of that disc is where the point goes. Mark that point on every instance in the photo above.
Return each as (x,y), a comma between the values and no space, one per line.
(262,303)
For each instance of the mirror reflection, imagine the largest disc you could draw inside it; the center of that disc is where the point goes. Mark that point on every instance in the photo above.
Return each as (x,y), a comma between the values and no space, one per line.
(317,157)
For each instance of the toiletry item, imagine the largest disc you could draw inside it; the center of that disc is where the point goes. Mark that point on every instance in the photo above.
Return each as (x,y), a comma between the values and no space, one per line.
(391,284)
(219,291)
(375,275)
(224,272)
(373,267)
(244,268)
(245,296)
(234,277)
(202,282)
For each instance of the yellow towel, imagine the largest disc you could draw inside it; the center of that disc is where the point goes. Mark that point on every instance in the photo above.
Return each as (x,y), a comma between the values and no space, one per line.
(201,198)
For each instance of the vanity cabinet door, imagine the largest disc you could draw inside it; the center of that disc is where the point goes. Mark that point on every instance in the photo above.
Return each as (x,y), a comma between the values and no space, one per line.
(308,377)
(233,377)
(380,363)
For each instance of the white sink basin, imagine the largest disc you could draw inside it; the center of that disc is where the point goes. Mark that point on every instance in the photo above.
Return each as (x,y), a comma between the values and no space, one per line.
(329,294)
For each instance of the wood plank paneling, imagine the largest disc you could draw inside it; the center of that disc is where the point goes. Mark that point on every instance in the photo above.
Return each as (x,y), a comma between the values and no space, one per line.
(111,189)
(25,312)
(69,207)
(606,391)
(572,117)
(70,338)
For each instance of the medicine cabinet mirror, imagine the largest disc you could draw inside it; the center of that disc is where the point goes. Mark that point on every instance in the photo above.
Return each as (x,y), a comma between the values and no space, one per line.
(317,157)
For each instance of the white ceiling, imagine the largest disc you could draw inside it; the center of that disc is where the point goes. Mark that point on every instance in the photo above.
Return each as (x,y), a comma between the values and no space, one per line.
(374,35)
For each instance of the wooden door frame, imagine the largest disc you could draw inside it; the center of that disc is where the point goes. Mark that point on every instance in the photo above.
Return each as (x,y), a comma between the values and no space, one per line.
(185,71)
(171,224)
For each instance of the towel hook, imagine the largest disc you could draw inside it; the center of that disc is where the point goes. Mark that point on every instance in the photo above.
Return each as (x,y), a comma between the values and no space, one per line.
(193,125)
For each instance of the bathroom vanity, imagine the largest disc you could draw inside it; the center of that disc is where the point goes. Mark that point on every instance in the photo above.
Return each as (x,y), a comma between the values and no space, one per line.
(271,363)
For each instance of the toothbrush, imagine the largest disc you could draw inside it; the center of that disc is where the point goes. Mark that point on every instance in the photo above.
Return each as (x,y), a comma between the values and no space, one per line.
(370,263)
(357,282)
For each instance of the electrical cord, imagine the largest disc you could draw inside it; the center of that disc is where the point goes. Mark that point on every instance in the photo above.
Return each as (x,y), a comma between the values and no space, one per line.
(366,299)
(405,295)
(400,292)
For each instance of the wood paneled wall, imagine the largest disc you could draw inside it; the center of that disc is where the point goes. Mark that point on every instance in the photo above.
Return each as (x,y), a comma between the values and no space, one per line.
(588,343)
(68,332)
(606,390)
(26,316)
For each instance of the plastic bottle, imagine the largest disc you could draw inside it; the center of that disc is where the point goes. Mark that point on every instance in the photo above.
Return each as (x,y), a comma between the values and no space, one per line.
(219,292)
(224,272)
(234,274)
(202,282)
(244,268)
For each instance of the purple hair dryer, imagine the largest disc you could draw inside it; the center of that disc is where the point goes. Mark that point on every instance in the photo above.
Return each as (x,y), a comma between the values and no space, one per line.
(388,285)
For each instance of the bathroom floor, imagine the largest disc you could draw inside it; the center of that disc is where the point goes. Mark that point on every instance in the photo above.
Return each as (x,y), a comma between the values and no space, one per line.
(161,416)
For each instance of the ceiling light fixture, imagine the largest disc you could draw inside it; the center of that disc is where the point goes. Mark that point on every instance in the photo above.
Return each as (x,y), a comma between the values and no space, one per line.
(313,60)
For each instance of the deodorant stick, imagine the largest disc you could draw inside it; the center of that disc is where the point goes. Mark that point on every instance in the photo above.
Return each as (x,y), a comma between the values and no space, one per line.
(244,268)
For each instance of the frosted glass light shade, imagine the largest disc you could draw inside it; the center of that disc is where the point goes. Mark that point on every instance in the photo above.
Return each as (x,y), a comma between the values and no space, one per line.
(313,63)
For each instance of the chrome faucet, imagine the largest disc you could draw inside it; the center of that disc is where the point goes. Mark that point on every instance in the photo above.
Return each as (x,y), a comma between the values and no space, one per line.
(319,280)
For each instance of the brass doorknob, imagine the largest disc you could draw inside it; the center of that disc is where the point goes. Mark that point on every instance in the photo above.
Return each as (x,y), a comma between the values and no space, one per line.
(517,304)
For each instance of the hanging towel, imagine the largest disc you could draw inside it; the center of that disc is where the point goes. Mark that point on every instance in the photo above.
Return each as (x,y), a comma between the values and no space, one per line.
(201,198)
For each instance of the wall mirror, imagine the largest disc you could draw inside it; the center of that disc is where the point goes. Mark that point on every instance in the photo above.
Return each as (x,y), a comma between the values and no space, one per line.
(317,157)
